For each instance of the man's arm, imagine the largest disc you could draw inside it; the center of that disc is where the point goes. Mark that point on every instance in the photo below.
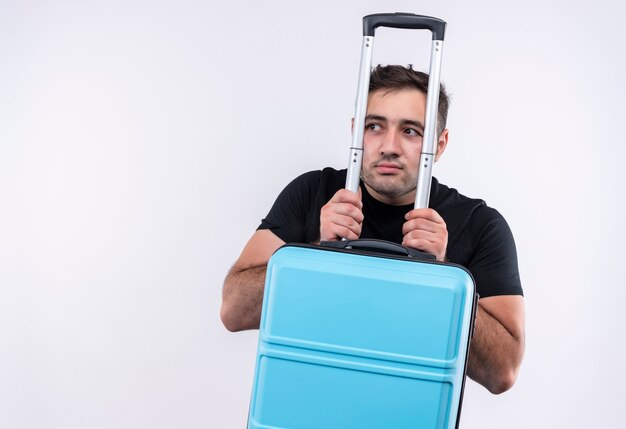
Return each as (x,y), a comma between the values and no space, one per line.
(497,347)
(242,296)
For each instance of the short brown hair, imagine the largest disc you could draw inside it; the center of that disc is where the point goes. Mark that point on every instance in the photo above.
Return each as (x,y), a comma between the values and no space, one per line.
(395,78)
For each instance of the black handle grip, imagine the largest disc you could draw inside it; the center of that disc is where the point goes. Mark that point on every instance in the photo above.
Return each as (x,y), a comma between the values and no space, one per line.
(378,246)
(404,20)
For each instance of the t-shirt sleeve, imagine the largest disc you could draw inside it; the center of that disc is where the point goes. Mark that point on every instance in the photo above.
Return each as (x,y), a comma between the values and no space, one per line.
(288,216)
(494,260)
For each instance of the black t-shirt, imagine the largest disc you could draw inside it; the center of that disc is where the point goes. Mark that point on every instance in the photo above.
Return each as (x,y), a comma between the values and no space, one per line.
(478,236)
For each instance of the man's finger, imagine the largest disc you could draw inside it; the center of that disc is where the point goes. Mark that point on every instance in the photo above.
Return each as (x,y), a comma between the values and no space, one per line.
(340,227)
(429,214)
(421,224)
(346,196)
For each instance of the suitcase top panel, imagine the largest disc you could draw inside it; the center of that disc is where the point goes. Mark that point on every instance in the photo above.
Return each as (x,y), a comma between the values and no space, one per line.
(363,305)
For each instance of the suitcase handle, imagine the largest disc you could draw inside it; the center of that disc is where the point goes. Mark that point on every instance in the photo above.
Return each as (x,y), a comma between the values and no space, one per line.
(378,246)
(404,20)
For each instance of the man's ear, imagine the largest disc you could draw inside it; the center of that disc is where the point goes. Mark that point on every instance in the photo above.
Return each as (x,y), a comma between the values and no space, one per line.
(442,144)
(352,125)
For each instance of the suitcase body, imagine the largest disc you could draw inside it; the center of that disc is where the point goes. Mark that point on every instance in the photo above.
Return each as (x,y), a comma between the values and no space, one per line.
(352,339)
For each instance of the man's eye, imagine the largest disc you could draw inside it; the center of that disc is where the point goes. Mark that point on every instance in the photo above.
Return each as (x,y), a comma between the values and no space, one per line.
(412,132)
(373,127)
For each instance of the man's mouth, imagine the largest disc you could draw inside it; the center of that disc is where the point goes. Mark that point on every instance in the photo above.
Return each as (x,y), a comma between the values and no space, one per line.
(388,168)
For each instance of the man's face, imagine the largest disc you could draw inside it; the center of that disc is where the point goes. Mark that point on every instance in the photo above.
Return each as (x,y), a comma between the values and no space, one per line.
(392,143)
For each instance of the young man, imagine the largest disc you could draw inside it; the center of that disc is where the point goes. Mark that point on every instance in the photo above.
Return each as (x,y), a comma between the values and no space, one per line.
(315,207)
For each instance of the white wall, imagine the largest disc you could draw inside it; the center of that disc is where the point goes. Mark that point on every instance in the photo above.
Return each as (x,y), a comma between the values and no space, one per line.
(141,143)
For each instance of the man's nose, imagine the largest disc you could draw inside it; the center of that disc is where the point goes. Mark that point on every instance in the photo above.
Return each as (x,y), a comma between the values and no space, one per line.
(391,143)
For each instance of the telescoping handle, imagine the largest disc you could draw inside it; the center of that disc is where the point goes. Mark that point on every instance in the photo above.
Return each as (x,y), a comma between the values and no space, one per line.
(427,157)
(404,20)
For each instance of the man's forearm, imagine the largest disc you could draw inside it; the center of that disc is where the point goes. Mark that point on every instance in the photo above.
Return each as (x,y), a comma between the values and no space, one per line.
(495,354)
(242,298)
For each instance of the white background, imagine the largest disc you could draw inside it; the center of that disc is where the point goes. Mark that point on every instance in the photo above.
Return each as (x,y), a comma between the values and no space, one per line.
(141,142)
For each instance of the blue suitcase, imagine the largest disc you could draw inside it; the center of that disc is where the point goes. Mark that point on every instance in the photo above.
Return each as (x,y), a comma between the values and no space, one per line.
(359,339)
(365,333)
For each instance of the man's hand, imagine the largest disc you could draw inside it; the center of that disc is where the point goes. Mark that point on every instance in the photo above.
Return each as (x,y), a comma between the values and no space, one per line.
(342,216)
(425,230)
